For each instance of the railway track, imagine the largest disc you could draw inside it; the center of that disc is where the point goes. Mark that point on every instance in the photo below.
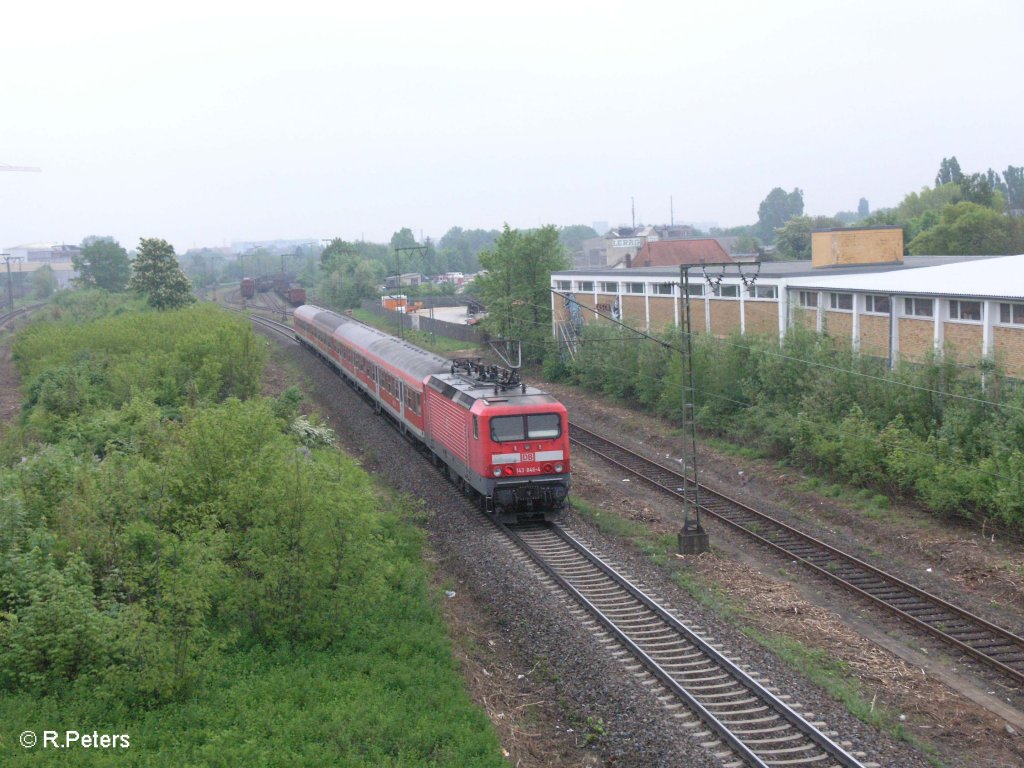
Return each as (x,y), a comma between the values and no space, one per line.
(745,723)
(266,322)
(994,646)
(6,317)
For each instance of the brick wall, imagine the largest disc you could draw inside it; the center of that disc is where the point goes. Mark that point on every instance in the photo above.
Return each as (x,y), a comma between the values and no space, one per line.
(963,340)
(916,338)
(874,335)
(839,325)
(1009,346)
(725,316)
(586,302)
(805,317)
(633,312)
(856,246)
(604,304)
(663,312)
(761,317)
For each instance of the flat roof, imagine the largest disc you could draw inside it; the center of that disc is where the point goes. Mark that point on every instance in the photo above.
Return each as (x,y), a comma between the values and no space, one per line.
(992,278)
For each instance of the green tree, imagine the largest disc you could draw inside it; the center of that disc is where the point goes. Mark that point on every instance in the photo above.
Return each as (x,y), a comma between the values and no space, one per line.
(949,172)
(156,275)
(776,209)
(44,282)
(746,244)
(967,229)
(978,188)
(794,237)
(1013,180)
(863,209)
(515,289)
(102,263)
(334,253)
(350,280)
(462,247)
(572,237)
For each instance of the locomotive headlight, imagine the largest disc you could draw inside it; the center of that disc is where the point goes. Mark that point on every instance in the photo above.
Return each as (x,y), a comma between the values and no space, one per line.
(496,471)
(559,467)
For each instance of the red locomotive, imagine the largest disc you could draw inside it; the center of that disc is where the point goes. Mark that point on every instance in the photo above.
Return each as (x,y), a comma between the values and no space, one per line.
(504,443)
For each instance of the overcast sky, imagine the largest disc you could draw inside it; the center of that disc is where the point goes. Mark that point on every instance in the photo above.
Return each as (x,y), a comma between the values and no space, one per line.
(207,122)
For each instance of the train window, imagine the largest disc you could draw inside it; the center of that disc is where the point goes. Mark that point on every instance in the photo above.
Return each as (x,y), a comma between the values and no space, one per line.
(507,428)
(476,428)
(536,426)
(543,425)
(412,401)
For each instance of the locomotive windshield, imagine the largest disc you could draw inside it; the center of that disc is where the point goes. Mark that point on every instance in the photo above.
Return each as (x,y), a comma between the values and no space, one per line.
(535,426)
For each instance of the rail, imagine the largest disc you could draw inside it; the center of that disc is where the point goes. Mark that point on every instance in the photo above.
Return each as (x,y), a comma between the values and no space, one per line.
(994,646)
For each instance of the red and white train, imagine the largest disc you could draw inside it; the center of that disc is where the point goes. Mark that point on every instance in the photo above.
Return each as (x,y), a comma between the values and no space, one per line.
(503,442)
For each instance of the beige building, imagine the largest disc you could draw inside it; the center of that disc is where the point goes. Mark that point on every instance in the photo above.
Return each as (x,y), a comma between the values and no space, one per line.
(856,245)
(971,307)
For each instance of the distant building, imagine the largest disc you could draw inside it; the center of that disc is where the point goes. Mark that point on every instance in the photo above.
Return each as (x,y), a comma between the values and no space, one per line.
(276,246)
(672,253)
(406,278)
(44,252)
(621,245)
(454,278)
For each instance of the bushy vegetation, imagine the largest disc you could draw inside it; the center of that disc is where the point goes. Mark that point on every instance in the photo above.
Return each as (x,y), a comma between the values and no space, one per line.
(945,436)
(184,561)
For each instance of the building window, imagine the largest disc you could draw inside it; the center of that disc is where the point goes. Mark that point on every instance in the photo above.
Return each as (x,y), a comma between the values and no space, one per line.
(965,310)
(634,287)
(764,291)
(662,289)
(879,305)
(808,299)
(917,307)
(726,291)
(563,285)
(1011,314)
(841,301)
(695,289)
(587,286)
(610,287)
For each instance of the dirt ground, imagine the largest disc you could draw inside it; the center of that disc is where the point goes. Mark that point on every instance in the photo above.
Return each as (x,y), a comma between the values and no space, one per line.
(964,720)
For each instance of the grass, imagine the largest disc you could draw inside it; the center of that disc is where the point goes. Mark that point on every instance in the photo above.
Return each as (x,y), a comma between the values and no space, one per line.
(371,683)
(732,449)
(386,693)
(440,345)
(873,504)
